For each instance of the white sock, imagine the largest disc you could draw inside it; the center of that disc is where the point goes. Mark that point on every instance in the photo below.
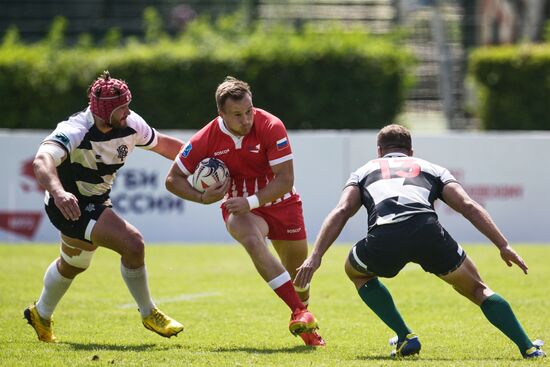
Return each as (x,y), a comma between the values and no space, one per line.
(136,281)
(55,286)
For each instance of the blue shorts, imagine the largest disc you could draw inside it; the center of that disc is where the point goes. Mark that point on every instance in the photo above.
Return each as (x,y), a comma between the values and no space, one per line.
(420,239)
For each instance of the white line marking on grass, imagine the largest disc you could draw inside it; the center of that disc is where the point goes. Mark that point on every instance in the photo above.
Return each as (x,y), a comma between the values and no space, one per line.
(180,298)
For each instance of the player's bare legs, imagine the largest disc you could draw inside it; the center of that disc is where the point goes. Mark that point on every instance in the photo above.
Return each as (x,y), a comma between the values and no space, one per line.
(57,280)
(357,278)
(292,255)
(467,281)
(115,233)
(250,231)
(73,248)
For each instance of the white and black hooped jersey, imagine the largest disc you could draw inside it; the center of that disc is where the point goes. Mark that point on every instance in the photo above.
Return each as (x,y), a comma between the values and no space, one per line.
(395,187)
(94,157)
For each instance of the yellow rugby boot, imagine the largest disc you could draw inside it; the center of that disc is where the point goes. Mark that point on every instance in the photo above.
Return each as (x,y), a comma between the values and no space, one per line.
(42,326)
(162,324)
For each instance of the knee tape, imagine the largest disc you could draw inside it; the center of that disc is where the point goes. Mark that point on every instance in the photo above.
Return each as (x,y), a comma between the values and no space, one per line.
(300,289)
(75,256)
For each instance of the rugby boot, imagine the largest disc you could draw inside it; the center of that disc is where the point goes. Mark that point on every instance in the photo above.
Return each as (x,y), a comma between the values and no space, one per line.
(535,351)
(162,324)
(302,321)
(411,345)
(43,327)
(313,339)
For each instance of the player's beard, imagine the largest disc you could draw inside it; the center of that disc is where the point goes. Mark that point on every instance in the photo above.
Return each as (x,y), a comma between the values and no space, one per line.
(120,124)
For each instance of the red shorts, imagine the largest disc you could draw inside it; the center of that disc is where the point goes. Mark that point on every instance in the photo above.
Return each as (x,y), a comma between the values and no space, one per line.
(285,219)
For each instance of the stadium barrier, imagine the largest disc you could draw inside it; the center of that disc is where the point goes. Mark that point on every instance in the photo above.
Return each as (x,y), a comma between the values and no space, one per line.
(500,170)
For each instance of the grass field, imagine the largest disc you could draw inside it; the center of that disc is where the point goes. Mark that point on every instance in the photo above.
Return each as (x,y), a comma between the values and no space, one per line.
(232,318)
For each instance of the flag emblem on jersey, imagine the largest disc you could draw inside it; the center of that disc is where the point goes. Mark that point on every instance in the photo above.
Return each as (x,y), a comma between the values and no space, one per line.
(282,143)
(254,149)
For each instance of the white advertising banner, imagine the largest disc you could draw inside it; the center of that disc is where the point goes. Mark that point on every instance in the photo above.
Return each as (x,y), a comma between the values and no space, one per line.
(500,170)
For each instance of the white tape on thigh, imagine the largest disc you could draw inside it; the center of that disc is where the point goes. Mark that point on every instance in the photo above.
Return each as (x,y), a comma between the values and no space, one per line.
(81,261)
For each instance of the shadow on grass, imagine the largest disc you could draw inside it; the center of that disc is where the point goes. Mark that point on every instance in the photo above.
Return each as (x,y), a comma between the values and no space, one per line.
(296,349)
(119,347)
(424,359)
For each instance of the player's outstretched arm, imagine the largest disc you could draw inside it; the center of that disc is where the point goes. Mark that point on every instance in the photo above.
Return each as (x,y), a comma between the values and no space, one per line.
(349,203)
(167,146)
(457,198)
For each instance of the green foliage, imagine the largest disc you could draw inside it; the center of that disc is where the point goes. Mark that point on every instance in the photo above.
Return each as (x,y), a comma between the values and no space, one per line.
(317,77)
(85,41)
(11,37)
(153,25)
(232,318)
(113,38)
(55,39)
(546,34)
(515,86)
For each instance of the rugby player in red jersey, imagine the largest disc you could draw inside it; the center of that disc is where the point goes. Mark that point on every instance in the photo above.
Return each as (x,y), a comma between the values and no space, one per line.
(259,199)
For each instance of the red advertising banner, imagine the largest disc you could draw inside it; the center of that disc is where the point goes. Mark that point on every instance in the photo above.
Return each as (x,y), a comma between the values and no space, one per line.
(21,223)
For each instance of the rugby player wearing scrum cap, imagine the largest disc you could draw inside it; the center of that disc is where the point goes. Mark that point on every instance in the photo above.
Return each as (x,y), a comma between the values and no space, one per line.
(77,164)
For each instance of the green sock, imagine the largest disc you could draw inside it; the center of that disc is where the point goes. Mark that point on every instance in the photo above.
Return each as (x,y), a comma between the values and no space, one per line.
(499,313)
(379,299)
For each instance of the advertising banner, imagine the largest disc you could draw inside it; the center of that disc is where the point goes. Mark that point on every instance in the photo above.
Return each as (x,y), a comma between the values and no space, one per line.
(499,170)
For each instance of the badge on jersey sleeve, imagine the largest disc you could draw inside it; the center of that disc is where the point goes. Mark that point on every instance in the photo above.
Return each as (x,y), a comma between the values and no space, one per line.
(61,138)
(282,143)
(185,152)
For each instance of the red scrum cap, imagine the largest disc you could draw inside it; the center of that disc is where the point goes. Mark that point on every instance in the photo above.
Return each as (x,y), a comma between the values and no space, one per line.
(107,94)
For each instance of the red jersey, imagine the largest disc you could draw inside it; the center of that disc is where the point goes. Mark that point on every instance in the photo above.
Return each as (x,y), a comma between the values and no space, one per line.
(249,158)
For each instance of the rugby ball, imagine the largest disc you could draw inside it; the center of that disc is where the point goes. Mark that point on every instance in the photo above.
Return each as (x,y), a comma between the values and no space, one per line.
(209,171)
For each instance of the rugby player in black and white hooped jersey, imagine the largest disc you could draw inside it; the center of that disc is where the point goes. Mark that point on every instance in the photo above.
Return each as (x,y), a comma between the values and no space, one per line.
(398,192)
(76,165)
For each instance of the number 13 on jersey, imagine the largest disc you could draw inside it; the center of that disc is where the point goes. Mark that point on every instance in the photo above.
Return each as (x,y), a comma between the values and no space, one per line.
(398,167)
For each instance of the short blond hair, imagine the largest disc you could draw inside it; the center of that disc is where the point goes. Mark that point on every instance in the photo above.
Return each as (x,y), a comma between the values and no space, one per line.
(231,88)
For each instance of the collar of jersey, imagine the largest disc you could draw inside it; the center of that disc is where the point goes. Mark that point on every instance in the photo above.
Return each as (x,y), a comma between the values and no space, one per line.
(89,116)
(394,155)
(226,131)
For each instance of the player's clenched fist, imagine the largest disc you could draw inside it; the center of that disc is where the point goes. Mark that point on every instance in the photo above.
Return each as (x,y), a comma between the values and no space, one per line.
(237,205)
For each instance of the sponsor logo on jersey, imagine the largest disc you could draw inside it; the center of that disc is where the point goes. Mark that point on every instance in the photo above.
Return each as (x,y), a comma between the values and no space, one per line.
(122,152)
(62,138)
(220,152)
(293,230)
(254,149)
(282,143)
(186,150)
(90,207)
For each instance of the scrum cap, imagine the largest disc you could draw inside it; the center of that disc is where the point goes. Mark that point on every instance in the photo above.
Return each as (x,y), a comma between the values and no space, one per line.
(107,94)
